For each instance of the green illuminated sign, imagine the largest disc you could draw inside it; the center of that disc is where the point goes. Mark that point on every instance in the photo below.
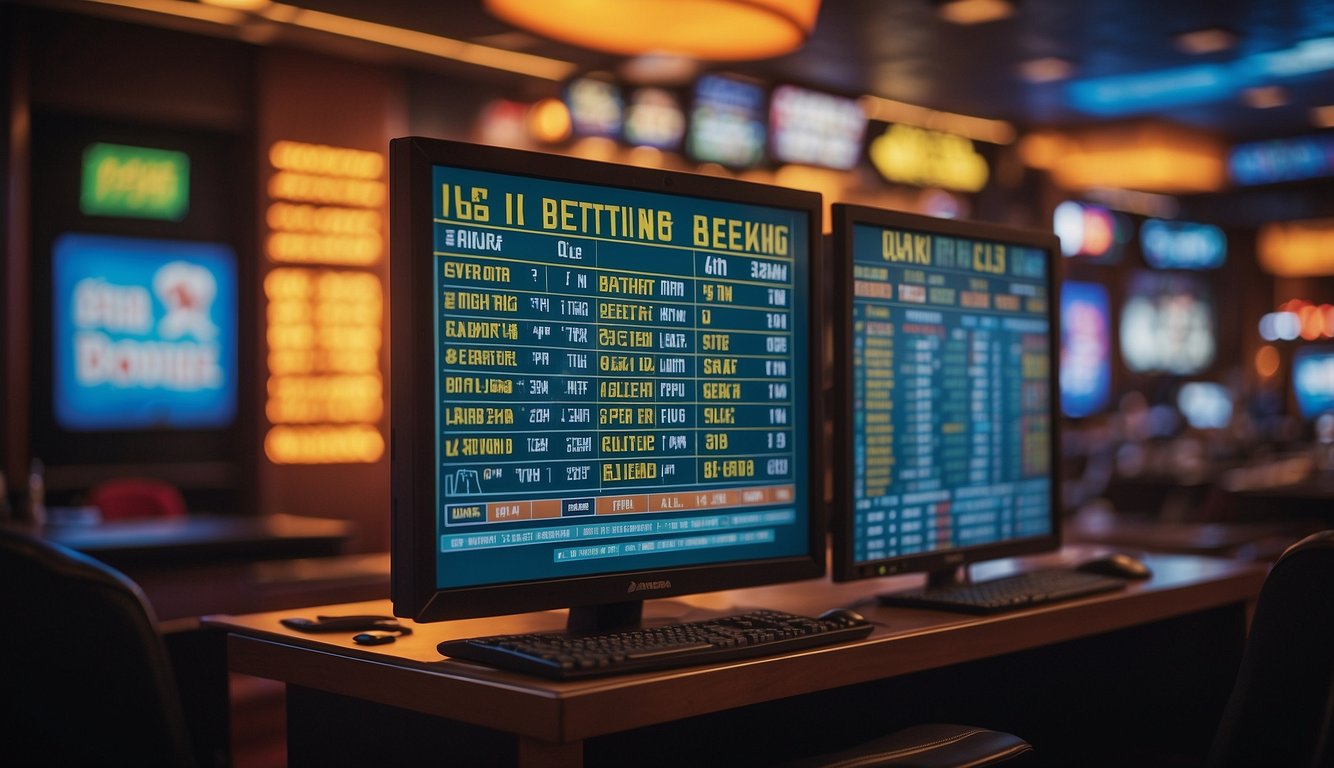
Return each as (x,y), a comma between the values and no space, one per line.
(136,182)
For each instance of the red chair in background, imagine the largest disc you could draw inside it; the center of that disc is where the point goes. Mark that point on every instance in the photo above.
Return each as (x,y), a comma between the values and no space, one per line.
(136,498)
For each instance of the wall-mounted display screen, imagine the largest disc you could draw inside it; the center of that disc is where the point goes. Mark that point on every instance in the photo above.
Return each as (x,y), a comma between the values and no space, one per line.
(1313,380)
(1205,404)
(814,128)
(727,122)
(143,333)
(596,108)
(654,119)
(1167,324)
(1086,348)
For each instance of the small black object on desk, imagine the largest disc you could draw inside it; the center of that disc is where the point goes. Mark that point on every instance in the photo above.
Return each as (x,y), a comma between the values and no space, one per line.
(845,616)
(344,624)
(379,636)
(1118,564)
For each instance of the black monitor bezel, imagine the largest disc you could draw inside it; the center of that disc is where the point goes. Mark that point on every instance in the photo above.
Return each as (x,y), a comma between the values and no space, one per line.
(412,584)
(842,566)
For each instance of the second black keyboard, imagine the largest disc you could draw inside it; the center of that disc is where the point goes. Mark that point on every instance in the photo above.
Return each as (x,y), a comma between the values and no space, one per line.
(1021,590)
(561,655)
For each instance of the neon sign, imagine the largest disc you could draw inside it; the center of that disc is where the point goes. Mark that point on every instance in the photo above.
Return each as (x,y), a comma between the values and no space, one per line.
(1198,83)
(1269,162)
(135,182)
(144,333)
(907,155)
(1182,245)
(325,393)
(1088,231)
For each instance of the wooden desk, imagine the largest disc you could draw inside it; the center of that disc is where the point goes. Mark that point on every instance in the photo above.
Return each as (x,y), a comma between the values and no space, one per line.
(1158,657)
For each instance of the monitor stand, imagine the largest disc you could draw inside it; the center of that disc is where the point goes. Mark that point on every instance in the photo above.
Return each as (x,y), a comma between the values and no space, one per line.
(942,578)
(610,617)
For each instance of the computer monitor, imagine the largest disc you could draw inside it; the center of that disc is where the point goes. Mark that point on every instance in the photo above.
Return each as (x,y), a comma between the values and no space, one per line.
(604,384)
(945,428)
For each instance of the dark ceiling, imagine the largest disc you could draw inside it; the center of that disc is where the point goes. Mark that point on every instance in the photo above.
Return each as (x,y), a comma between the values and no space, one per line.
(902,50)
(1124,63)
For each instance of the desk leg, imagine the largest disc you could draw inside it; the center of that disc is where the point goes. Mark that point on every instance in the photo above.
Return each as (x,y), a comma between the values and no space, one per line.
(545,754)
(325,729)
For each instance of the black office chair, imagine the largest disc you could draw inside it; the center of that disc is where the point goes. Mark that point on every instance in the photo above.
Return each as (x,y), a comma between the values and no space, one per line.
(1281,712)
(932,745)
(87,680)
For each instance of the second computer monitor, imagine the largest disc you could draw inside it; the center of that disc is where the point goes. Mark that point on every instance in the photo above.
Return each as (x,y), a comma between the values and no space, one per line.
(945,427)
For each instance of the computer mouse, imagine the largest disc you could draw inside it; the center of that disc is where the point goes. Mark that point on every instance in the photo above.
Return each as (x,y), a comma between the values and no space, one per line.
(375,637)
(843,616)
(1117,564)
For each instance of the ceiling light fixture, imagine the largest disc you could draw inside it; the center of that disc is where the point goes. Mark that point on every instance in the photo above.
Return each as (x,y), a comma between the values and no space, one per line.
(1208,40)
(238,5)
(975,128)
(1048,69)
(719,30)
(1264,97)
(968,12)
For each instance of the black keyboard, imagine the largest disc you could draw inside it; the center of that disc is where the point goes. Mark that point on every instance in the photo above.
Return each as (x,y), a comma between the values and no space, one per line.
(1008,593)
(563,656)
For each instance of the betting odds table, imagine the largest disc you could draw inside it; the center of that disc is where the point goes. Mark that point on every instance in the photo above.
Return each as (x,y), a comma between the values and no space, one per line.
(623,376)
(951,376)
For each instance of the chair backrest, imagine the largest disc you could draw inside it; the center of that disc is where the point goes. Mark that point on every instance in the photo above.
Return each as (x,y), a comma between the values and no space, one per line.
(133,498)
(1281,712)
(86,676)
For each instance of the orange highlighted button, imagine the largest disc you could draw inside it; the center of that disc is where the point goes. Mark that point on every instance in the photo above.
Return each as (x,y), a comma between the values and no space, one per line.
(545,508)
(754,495)
(500,512)
(622,505)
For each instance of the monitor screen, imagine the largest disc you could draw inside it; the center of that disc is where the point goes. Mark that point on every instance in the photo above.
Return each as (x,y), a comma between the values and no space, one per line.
(603,382)
(945,345)
(143,333)
(1167,324)
(1313,380)
(1086,349)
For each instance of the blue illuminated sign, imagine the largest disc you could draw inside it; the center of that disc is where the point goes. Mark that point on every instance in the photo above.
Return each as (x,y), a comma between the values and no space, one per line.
(1198,83)
(1182,245)
(1269,162)
(1313,380)
(1086,349)
(144,333)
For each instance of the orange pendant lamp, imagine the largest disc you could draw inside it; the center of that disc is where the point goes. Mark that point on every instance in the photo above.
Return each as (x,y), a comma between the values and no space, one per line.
(718,30)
